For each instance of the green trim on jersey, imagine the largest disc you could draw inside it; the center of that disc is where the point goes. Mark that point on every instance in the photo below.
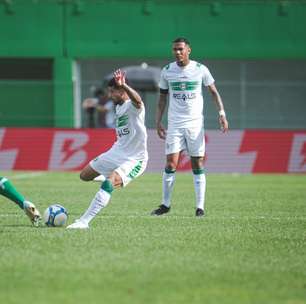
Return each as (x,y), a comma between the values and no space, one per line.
(198,171)
(122,120)
(107,186)
(134,172)
(199,64)
(184,85)
(167,67)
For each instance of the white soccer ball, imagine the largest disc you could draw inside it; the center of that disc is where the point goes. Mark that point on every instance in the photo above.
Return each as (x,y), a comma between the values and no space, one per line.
(55,216)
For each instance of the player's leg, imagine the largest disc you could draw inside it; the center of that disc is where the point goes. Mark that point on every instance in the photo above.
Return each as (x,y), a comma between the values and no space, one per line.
(9,191)
(100,166)
(100,201)
(199,180)
(196,148)
(88,173)
(175,143)
(167,184)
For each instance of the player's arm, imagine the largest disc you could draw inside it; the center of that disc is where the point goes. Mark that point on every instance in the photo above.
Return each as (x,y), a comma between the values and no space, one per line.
(133,95)
(219,104)
(161,106)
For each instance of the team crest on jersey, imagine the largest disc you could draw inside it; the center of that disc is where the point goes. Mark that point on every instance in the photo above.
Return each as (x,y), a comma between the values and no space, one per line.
(184,85)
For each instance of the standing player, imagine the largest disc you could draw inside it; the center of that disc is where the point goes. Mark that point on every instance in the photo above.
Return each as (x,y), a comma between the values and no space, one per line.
(9,191)
(182,80)
(127,158)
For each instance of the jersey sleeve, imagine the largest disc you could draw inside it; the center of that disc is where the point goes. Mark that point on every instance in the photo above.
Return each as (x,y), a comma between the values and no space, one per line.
(163,83)
(207,77)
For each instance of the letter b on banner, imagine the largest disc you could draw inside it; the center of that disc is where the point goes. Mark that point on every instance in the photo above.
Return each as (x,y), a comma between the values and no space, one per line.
(67,152)
(297,161)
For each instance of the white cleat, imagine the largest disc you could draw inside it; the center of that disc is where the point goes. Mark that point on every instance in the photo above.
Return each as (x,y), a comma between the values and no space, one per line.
(78,224)
(32,212)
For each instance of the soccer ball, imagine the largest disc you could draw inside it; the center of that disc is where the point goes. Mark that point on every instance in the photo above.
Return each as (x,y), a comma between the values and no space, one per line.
(55,216)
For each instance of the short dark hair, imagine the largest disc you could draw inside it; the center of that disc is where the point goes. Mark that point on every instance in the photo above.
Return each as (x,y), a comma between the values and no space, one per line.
(181,39)
(112,83)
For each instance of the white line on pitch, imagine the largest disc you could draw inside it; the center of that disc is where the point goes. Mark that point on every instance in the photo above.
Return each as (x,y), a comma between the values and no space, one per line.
(27,175)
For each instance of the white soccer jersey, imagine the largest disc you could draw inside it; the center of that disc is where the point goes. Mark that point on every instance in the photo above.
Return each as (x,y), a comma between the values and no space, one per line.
(185,93)
(131,133)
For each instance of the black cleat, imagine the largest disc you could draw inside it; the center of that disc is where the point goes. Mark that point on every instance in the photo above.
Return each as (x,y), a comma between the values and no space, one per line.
(162,209)
(199,212)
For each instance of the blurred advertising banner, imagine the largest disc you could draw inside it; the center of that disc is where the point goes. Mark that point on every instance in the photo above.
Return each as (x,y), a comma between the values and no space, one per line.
(248,151)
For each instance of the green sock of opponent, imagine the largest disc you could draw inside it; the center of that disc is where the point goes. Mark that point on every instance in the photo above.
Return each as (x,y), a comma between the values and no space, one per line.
(9,191)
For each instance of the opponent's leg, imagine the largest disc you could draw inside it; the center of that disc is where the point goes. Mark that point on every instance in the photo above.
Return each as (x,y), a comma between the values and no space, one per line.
(8,190)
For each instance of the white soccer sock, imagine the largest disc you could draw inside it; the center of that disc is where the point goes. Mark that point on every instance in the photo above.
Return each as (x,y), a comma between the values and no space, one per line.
(99,178)
(99,202)
(199,181)
(168,183)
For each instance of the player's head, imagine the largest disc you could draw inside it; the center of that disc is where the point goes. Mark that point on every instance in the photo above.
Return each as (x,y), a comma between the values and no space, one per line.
(181,50)
(116,93)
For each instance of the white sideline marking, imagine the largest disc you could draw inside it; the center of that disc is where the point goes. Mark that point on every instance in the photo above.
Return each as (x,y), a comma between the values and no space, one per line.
(27,175)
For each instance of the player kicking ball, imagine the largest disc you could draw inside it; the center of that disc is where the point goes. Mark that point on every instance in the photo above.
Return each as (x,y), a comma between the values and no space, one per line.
(9,191)
(127,158)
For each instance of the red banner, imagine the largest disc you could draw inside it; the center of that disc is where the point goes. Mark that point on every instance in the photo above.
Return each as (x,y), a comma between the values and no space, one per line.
(71,149)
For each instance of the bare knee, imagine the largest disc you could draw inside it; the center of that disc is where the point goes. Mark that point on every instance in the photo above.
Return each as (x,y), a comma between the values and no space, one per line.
(172,161)
(84,177)
(88,174)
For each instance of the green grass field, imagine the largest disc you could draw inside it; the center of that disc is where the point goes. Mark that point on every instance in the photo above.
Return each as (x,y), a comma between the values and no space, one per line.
(250,248)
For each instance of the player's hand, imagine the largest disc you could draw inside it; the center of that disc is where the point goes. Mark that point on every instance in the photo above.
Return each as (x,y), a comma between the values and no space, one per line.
(119,77)
(223,123)
(161,131)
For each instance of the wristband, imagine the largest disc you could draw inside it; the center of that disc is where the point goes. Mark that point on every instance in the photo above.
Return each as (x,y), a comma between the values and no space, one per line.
(222,113)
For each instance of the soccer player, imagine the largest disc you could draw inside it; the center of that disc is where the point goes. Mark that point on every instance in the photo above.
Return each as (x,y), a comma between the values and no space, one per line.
(9,191)
(127,158)
(182,81)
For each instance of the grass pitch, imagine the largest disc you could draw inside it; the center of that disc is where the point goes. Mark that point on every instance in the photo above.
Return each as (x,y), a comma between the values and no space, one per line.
(250,248)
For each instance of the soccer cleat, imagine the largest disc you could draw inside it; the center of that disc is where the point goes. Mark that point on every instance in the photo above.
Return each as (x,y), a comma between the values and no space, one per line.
(162,209)
(32,212)
(78,224)
(199,212)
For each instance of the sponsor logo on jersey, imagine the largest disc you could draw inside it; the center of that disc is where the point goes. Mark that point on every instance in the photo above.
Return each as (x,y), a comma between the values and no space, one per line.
(135,170)
(122,128)
(184,96)
(122,121)
(184,85)
(122,132)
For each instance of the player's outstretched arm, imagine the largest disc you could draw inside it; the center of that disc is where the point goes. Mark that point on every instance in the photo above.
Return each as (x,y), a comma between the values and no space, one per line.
(133,95)
(218,101)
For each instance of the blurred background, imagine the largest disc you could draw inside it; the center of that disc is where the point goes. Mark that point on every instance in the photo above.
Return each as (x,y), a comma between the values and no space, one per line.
(55,55)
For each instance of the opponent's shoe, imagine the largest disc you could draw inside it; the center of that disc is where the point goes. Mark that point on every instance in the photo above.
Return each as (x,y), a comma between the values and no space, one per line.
(78,224)
(162,209)
(32,212)
(199,212)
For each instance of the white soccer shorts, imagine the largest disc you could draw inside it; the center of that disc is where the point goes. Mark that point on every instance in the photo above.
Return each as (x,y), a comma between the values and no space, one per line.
(128,169)
(190,139)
